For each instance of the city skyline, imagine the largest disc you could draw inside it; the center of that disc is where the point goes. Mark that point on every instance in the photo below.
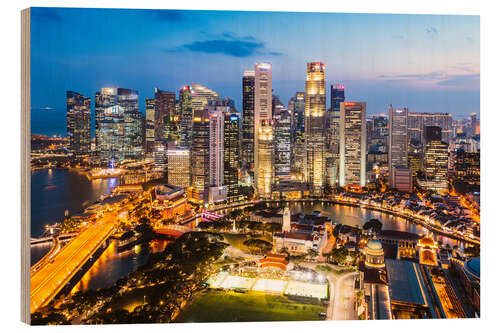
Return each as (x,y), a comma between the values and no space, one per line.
(428,63)
(253,174)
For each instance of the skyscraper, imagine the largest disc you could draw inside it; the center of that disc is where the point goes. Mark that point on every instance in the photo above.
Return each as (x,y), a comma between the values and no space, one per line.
(282,143)
(78,123)
(264,173)
(418,121)
(201,96)
(297,106)
(435,160)
(216,145)
(164,113)
(315,110)
(263,114)
(337,96)
(398,140)
(186,105)
(352,155)
(119,122)
(231,153)
(178,166)
(200,155)
(133,122)
(150,125)
(108,126)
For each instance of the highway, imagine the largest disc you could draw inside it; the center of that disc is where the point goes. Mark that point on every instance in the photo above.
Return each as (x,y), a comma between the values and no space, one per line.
(53,275)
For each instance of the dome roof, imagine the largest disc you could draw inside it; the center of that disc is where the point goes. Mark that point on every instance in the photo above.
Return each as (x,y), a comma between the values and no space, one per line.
(374,245)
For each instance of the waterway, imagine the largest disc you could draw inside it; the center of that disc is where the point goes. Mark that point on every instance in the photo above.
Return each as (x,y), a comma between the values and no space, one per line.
(54,191)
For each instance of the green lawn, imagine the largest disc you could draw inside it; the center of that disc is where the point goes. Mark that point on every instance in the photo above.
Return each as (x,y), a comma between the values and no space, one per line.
(222,306)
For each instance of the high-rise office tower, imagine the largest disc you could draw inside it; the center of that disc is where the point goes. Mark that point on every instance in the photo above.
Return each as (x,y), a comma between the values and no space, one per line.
(315,111)
(150,125)
(231,153)
(337,96)
(200,155)
(179,167)
(398,140)
(263,114)
(78,123)
(418,121)
(216,149)
(282,142)
(201,96)
(119,122)
(435,159)
(133,122)
(352,136)
(264,174)
(297,106)
(160,155)
(474,124)
(108,126)
(164,114)
(186,104)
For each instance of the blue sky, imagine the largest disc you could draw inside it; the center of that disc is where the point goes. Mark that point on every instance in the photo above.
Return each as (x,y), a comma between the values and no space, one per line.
(429,63)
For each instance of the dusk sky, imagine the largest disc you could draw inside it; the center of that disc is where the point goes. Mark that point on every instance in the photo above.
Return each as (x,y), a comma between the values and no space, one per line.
(429,63)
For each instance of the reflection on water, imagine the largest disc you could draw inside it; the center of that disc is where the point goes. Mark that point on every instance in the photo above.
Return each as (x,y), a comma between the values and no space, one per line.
(112,265)
(356,217)
(38,251)
(53,191)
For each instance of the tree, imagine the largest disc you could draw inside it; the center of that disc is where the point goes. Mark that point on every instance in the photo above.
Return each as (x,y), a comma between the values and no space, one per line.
(339,256)
(256,245)
(373,225)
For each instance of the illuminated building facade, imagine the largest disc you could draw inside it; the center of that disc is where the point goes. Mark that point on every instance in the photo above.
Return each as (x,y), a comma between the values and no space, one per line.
(282,140)
(263,114)
(186,105)
(216,144)
(337,96)
(231,152)
(398,141)
(150,125)
(265,148)
(297,106)
(467,167)
(401,178)
(179,167)
(78,123)
(415,162)
(248,105)
(108,126)
(160,155)
(133,122)
(315,111)
(200,155)
(119,125)
(352,155)
(374,254)
(435,160)
(200,96)
(164,114)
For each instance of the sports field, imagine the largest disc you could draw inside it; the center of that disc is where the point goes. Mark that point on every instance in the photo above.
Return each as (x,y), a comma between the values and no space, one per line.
(228,306)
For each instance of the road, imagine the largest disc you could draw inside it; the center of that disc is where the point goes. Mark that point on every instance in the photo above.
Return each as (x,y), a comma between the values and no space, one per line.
(344,298)
(341,305)
(50,278)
